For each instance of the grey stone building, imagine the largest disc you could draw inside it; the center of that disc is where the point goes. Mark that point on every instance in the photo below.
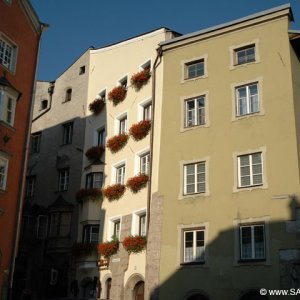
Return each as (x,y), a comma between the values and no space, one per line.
(45,263)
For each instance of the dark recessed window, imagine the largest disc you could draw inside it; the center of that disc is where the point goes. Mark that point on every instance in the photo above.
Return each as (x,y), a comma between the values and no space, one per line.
(44,104)
(68,96)
(82,70)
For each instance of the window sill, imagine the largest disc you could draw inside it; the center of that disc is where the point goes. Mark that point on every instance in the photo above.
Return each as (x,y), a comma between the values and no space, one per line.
(251,261)
(193,196)
(250,188)
(184,129)
(237,66)
(2,192)
(193,265)
(62,145)
(7,126)
(247,116)
(194,78)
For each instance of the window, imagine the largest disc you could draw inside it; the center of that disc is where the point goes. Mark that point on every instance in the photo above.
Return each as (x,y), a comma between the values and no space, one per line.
(101,137)
(250,170)
(247,100)
(53,277)
(8,2)
(67,133)
(102,95)
(42,226)
(195,112)
(116,229)
(63,182)
(147,111)
(3,172)
(90,234)
(81,70)
(120,174)
(142,224)
(94,180)
(144,163)
(44,104)
(68,96)
(194,69)
(194,178)
(60,224)
(123,125)
(252,242)
(30,184)
(36,142)
(245,54)
(123,82)
(146,65)
(7,54)
(7,108)
(193,246)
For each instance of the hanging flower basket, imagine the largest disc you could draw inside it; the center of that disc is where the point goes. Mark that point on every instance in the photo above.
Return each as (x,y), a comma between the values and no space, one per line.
(117,94)
(117,142)
(96,106)
(84,249)
(89,194)
(140,130)
(141,78)
(114,192)
(108,249)
(135,184)
(94,153)
(134,244)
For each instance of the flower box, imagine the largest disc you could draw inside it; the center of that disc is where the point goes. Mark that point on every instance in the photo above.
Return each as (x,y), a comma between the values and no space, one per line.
(117,94)
(117,142)
(96,106)
(141,78)
(88,194)
(94,153)
(134,244)
(108,249)
(114,192)
(139,130)
(135,184)
(84,249)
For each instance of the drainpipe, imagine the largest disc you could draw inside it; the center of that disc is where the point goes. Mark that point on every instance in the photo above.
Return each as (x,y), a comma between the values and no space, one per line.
(23,178)
(155,65)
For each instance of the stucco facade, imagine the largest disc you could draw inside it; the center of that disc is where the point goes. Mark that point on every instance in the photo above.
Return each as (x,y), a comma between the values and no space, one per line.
(211,213)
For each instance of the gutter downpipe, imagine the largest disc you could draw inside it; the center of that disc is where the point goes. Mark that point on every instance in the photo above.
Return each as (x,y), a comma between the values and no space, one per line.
(25,156)
(155,65)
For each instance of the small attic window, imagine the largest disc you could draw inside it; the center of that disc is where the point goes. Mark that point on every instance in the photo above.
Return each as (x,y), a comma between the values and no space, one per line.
(123,82)
(82,70)
(68,95)
(44,104)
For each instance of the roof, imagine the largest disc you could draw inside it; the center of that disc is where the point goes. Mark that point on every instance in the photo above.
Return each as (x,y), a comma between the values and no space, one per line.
(231,23)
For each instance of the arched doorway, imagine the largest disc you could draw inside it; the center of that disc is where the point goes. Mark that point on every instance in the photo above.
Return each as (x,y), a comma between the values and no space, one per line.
(108,287)
(138,292)
(253,295)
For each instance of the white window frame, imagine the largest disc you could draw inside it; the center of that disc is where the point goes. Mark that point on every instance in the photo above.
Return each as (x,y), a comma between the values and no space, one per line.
(118,119)
(145,65)
(102,95)
(120,174)
(185,64)
(11,65)
(87,230)
(137,159)
(63,179)
(234,48)
(196,112)
(141,107)
(235,156)
(3,175)
(237,223)
(194,232)
(246,56)
(147,162)
(91,180)
(114,170)
(136,217)
(249,106)
(7,114)
(111,226)
(252,226)
(251,167)
(122,80)
(195,183)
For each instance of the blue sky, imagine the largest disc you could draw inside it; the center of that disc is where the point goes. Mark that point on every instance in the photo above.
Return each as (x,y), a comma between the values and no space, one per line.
(76,25)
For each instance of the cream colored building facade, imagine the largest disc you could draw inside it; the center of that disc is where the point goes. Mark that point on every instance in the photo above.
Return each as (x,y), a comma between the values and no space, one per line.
(113,66)
(225,189)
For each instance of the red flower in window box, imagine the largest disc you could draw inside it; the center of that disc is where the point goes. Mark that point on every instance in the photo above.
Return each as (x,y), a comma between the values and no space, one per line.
(88,194)
(114,192)
(134,244)
(140,78)
(140,130)
(135,184)
(84,249)
(117,142)
(117,94)
(108,249)
(96,106)
(94,153)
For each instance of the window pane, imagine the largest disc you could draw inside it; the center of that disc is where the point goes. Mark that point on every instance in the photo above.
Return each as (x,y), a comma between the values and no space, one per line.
(199,246)
(188,247)
(259,241)
(65,222)
(246,247)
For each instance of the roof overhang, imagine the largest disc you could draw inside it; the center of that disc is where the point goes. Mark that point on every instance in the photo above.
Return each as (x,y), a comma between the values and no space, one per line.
(294,36)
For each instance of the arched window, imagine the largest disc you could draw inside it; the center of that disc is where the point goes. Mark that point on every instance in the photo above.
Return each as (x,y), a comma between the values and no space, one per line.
(138,291)
(68,95)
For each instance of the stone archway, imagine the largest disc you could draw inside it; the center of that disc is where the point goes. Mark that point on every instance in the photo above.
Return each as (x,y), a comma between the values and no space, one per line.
(139,290)
(133,285)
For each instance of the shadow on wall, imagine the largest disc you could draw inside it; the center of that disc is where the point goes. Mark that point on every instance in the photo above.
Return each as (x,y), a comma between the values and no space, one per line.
(238,263)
